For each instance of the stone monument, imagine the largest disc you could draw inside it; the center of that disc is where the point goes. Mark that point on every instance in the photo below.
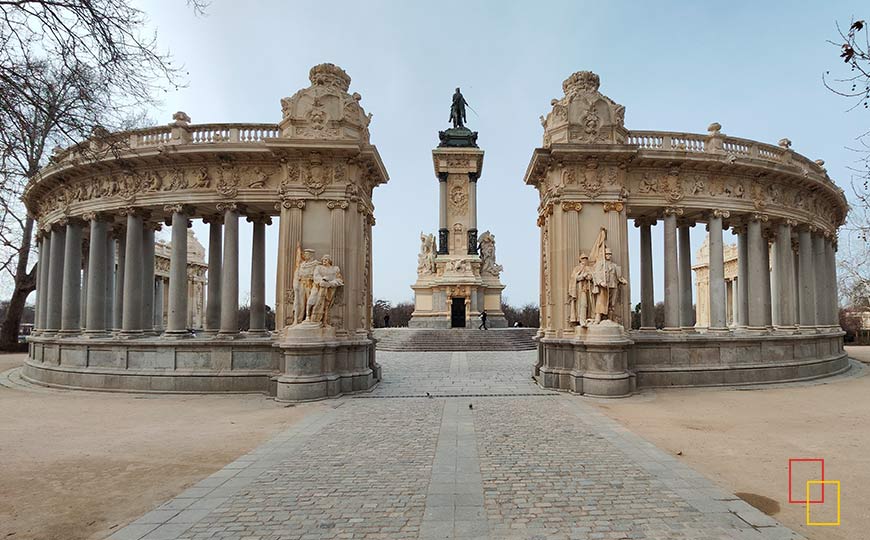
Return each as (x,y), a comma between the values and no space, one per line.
(459,277)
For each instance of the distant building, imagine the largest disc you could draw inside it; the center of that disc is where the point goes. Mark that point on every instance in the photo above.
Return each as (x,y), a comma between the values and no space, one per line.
(196,278)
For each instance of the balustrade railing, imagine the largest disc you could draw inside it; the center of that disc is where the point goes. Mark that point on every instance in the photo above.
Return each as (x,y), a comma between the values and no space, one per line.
(696,143)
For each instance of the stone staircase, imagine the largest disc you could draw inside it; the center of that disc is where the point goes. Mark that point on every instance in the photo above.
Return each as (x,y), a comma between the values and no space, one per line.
(455,339)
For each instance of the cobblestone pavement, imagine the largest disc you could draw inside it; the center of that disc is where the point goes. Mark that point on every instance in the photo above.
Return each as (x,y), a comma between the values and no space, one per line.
(498,459)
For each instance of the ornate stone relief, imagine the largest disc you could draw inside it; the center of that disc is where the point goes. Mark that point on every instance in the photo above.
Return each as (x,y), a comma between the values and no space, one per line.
(458,197)
(487,255)
(325,110)
(583,115)
(426,257)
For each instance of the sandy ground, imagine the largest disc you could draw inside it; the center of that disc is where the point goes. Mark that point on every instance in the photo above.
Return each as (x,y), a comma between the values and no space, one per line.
(78,465)
(742,439)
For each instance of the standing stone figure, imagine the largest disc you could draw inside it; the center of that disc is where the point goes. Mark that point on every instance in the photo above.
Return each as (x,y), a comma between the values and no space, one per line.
(607,280)
(426,258)
(303,278)
(327,278)
(579,290)
(457,110)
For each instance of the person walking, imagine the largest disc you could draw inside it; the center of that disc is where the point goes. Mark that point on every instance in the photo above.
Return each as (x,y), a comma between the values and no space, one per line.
(482,321)
(387,320)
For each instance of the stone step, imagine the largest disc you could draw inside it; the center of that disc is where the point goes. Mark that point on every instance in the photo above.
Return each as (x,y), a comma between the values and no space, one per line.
(456,339)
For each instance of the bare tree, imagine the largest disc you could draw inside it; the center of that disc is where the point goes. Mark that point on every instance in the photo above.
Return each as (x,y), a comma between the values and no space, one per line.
(67,68)
(854,242)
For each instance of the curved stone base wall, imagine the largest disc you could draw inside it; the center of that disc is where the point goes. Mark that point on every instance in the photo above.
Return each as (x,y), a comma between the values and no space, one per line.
(656,359)
(207,365)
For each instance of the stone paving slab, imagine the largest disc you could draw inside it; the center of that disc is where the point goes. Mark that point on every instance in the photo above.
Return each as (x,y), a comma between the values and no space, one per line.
(508,467)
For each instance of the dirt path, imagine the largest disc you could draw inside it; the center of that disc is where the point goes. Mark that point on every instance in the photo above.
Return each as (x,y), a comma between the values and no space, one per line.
(77,465)
(743,440)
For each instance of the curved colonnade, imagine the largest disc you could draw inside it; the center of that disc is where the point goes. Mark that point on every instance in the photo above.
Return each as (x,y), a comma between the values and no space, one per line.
(592,173)
(316,170)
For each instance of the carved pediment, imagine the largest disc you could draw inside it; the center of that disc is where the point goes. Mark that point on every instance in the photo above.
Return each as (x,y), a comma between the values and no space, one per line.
(584,115)
(325,110)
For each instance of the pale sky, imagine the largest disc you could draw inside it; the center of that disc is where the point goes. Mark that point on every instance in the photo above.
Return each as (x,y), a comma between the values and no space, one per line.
(754,67)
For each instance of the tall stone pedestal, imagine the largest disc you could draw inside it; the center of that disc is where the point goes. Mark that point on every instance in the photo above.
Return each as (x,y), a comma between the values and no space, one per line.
(457,277)
(594,363)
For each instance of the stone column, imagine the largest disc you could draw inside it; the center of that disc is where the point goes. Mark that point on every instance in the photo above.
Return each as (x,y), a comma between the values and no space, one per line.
(785,275)
(118,298)
(257,324)
(148,276)
(443,232)
(45,263)
(230,272)
(718,322)
(472,209)
(647,296)
(97,300)
(131,319)
(38,281)
(684,260)
(757,272)
(70,323)
(807,304)
(55,278)
(158,305)
(109,269)
(735,304)
(215,259)
(742,309)
(831,251)
(821,284)
(672,278)
(176,325)
(769,236)
(83,295)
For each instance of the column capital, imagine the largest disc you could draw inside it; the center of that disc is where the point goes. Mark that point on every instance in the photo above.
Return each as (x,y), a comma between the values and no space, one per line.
(442,176)
(179,208)
(769,234)
(613,206)
(155,225)
(96,216)
(290,204)
(231,206)
(724,214)
(473,176)
(259,218)
(791,223)
(134,211)
(673,211)
(572,206)
(647,221)
(758,216)
(339,204)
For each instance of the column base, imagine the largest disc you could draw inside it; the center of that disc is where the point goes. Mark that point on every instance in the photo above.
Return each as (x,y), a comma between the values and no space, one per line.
(227,335)
(69,333)
(717,330)
(96,334)
(176,334)
(672,329)
(258,333)
(130,334)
